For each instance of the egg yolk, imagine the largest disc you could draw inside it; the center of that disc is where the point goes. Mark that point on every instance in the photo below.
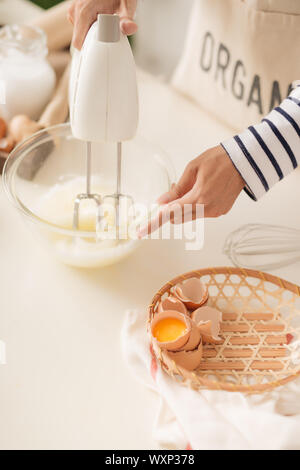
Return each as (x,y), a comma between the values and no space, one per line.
(169,329)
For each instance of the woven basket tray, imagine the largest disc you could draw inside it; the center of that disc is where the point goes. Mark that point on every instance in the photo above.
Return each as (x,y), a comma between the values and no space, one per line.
(260,331)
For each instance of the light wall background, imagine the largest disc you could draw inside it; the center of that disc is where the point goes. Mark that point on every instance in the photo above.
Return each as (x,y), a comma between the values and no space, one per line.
(160,39)
(158,43)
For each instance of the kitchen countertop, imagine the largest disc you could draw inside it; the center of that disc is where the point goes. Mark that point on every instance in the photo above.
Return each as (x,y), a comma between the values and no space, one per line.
(65,384)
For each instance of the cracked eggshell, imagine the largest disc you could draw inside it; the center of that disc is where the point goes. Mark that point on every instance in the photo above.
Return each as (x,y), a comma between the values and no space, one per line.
(193,293)
(179,342)
(189,360)
(194,339)
(172,303)
(208,320)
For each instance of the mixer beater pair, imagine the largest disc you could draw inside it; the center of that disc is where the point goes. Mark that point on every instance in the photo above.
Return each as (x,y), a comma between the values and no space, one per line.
(100,202)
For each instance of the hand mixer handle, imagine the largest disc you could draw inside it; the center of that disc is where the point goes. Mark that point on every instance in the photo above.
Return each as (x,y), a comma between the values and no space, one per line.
(108,28)
(103,87)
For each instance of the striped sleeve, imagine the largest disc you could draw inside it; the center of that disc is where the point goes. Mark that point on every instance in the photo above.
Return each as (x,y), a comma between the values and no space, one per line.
(267,152)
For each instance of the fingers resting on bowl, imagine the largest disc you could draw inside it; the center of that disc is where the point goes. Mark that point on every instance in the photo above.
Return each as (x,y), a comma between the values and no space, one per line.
(208,187)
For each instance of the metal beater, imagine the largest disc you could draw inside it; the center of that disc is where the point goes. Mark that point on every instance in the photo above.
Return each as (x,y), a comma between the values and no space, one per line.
(118,196)
(87,195)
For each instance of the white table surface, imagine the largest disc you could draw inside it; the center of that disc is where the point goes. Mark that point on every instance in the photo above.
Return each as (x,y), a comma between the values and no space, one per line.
(65,384)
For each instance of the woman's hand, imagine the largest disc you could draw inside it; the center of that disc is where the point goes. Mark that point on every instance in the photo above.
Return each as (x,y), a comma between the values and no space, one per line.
(211,179)
(83,13)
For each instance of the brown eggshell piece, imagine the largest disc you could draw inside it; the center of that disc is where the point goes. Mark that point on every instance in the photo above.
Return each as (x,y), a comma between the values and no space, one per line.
(208,320)
(189,360)
(172,303)
(194,339)
(179,342)
(3,128)
(193,293)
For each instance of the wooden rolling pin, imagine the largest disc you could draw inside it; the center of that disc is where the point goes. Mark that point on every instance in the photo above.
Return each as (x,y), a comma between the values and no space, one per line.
(54,22)
(59,61)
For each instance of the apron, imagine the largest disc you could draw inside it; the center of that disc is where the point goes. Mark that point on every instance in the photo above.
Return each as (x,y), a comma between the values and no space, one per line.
(240,57)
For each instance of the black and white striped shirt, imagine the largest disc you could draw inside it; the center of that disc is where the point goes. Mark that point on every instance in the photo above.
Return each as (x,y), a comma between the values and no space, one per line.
(267,152)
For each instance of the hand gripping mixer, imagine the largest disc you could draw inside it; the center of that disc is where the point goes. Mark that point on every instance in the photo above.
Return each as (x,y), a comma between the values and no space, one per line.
(103,102)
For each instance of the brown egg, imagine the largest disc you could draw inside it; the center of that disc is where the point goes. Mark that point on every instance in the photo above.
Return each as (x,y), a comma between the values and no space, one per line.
(22,126)
(3,128)
(189,360)
(172,303)
(208,320)
(6,144)
(193,293)
(170,329)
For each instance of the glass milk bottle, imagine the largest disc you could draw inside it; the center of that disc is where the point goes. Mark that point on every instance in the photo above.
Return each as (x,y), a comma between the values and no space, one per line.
(27,80)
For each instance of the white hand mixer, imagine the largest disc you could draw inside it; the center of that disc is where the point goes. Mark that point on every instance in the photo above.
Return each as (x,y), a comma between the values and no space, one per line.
(103,101)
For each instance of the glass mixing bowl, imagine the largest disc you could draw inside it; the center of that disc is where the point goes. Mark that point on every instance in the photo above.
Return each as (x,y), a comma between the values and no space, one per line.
(43,175)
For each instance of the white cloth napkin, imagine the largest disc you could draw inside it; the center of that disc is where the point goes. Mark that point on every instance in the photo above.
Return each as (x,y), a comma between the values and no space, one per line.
(211,420)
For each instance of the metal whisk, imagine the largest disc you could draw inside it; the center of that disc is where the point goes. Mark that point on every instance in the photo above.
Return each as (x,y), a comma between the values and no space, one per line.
(263,247)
